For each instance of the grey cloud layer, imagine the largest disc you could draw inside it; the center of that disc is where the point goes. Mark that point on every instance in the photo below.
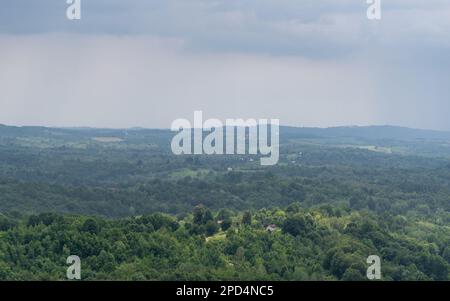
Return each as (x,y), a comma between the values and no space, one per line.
(144,63)
(315,28)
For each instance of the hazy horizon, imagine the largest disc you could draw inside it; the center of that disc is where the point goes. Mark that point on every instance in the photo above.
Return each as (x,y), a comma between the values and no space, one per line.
(168,128)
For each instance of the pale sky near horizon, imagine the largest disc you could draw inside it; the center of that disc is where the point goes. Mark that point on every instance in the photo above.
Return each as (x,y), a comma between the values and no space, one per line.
(145,63)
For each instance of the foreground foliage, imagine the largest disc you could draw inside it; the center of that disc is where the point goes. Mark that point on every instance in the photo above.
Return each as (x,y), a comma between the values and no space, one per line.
(328,243)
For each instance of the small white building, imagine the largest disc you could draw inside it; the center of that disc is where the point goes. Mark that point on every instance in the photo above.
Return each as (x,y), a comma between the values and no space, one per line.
(271,227)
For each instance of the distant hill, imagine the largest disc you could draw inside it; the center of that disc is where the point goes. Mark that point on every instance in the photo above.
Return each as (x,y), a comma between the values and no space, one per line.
(365,132)
(286,132)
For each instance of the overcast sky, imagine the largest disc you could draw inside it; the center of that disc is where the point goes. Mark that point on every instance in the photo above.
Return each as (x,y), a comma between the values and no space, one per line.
(146,62)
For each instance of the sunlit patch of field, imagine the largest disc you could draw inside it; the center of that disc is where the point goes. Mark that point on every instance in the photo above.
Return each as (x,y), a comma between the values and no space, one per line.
(217,237)
(186,172)
(107,139)
(373,148)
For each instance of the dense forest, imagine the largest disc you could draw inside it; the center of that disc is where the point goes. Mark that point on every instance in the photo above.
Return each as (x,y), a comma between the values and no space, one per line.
(131,210)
